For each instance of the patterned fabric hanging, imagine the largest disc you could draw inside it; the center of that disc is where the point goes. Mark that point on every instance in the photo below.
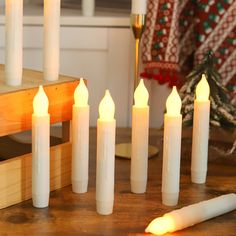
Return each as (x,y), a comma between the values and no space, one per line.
(179,32)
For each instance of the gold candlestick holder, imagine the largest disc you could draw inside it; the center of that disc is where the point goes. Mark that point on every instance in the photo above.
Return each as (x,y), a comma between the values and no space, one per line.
(123,150)
(137,24)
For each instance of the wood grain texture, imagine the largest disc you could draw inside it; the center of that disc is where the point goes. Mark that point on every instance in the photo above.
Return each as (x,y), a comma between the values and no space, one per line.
(16,102)
(75,214)
(16,175)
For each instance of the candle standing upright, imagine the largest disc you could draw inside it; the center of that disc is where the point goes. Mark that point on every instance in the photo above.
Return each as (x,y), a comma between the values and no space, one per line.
(40,150)
(80,139)
(14,42)
(51,52)
(201,118)
(139,146)
(171,150)
(105,169)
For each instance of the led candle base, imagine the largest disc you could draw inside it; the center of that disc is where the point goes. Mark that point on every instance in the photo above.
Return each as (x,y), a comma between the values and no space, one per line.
(40,151)
(80,140)
(171,160)
(200,133)
(14,42)
(200,142)
(193,214)
(80,143)
(171,150)
(139,151)
(40,161)
(105,169)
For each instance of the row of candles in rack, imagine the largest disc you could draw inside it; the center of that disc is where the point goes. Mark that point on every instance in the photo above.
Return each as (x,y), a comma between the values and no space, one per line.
(14,40)
(51,51)
(106,126)
(105,164)
(106,145)
(80,139)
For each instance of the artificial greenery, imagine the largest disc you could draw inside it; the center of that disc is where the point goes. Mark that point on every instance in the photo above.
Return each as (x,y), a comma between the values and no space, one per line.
(222,112)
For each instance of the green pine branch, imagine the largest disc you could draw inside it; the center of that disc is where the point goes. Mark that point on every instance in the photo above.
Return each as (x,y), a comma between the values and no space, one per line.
(222,112)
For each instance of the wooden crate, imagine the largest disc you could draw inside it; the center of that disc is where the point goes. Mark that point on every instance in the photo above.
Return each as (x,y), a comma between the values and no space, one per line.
(16,111)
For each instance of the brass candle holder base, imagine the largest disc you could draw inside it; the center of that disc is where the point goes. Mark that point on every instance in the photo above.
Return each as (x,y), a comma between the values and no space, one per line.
(123,150)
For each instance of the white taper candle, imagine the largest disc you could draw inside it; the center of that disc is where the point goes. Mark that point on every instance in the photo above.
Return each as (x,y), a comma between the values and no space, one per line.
(139,7)
(51,52)
(105,170)
(88,7)
(200,132)
(171,150)
(14,42)
(193,214)
(40,150)
(139,149)
(80,139)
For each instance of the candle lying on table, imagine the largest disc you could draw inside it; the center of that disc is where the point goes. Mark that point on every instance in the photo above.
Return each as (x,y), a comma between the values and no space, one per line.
(105,170)
(193,214)
(139,7)
(171,150)
(200,132)
(52,9)
(14,42)
(80,139)
(139,150)
(40,150)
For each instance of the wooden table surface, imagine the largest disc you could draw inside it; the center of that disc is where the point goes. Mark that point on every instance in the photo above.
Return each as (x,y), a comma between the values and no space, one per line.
(75,214)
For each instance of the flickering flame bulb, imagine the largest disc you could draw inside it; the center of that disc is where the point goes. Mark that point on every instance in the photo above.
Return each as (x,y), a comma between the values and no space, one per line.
(161,225)
(141,95)
(40,102)
(173,103)
(107,107)
(203,90)
(81,94)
